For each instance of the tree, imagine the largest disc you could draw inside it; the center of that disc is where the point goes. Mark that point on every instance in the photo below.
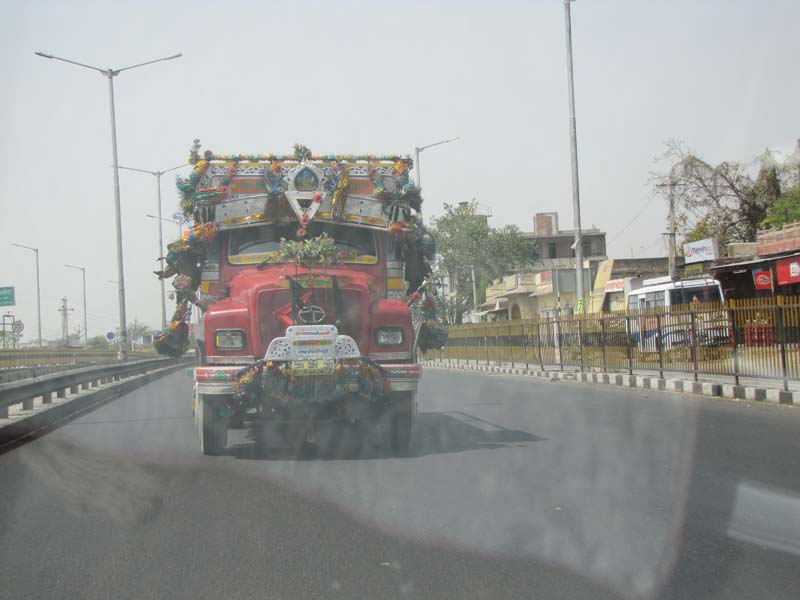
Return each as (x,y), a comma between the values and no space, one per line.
(720,201)
(786,209)
(136,330)
(99,342)
(466,241)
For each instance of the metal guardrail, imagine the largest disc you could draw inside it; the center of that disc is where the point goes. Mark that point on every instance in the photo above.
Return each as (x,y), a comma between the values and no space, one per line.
(25,391)
(34,357)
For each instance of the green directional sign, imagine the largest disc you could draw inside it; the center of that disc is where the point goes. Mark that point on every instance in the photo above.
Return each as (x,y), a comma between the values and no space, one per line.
(7,296)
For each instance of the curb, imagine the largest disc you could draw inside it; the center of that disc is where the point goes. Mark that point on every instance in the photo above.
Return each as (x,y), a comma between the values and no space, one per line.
(643,382)
(43,420)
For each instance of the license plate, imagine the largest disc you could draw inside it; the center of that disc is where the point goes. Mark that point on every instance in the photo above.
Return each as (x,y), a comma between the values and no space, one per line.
(314,366)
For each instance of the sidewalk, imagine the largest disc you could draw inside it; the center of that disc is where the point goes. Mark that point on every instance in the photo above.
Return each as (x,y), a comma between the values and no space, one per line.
(760,389)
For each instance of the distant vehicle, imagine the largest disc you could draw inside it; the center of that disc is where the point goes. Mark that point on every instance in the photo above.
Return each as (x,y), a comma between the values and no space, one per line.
(682,303)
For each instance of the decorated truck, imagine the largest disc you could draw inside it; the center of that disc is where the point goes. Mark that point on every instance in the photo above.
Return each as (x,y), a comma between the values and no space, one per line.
(309,277)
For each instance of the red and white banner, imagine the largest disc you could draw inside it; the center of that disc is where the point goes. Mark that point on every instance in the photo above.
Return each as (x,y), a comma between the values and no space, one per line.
(788,270)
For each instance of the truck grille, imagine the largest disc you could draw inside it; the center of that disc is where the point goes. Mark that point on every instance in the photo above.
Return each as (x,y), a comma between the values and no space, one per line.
(354,320)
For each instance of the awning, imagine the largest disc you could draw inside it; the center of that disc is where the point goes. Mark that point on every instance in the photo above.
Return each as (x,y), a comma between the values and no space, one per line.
(755,261)
(495,305)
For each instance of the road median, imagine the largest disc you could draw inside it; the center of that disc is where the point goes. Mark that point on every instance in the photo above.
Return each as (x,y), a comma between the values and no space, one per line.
(758,393)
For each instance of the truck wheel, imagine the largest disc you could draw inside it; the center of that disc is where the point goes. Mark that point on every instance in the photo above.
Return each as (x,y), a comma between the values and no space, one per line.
(213,428)
(402,421)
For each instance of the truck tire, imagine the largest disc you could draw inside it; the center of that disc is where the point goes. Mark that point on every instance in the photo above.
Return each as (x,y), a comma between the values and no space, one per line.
(401,422)
(213,429)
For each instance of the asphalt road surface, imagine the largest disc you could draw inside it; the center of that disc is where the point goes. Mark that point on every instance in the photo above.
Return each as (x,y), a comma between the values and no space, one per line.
(513,488)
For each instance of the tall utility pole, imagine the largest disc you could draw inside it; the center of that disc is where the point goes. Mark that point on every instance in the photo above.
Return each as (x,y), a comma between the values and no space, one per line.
(671,232)
(576,199)
(110,74)
(157,175)
(38,296)
(474,290)
(65,321)
(85,326)
(672,267)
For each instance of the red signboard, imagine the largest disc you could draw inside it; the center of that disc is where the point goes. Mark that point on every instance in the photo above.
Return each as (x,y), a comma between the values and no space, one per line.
(762,280)
(788,270)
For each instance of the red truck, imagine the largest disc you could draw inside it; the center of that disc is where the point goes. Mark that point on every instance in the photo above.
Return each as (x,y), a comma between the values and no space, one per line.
(305,286)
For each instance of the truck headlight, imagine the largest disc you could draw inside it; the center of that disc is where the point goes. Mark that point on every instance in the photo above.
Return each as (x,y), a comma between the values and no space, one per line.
(389,336)
(229,339)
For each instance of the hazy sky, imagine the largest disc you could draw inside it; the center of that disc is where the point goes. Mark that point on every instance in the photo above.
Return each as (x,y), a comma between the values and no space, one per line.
(368,77)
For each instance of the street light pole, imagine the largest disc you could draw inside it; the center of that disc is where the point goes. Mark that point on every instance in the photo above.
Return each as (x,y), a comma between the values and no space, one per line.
(157,175)
(576,201)
(38,295)
(110,74)
(85,326)
(419,149)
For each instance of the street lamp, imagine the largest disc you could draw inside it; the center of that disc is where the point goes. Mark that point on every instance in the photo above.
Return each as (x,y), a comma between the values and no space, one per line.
(157,175)
(85,327)
(38,296)
(178,223)
(419,149)
(576,200)
(110,74)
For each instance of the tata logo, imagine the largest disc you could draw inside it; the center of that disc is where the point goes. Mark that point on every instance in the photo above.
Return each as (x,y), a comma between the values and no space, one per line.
(311,314)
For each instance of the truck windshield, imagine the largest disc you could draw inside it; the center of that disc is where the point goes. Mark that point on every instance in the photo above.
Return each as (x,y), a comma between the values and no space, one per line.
(263,239)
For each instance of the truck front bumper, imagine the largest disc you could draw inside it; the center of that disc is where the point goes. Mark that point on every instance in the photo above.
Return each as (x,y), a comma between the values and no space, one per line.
(221,380)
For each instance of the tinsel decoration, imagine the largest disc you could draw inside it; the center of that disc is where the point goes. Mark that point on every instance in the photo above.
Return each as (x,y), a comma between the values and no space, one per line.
(277,380)
(340,194)
(432,333)
(184,260)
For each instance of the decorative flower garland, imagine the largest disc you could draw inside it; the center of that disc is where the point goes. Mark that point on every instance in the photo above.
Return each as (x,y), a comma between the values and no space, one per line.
(184,259)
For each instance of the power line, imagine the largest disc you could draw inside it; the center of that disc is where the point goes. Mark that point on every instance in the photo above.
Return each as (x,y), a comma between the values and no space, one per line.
(636,216)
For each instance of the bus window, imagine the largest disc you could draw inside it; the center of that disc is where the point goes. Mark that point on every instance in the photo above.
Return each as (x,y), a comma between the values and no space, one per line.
(633,302)
(656,300)
(694,294)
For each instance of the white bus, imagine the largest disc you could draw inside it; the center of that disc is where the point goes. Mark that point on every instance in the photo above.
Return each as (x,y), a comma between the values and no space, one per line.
(675,299)
(664,293)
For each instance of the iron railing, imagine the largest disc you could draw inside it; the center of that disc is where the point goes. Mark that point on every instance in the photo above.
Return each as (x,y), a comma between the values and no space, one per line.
(752,339)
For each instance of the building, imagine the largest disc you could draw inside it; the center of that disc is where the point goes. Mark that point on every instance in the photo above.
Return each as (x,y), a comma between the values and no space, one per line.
(549,285)
(773,269)
(553,243)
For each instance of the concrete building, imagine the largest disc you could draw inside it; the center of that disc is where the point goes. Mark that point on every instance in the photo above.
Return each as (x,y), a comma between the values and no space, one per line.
(549,284)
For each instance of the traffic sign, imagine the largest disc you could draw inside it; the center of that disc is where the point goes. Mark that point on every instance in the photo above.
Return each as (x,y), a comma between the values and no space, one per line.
(110,335)
(18,327)
(7,296)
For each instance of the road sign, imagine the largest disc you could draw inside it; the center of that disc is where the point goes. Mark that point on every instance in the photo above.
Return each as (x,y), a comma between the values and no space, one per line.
(110,335)
(7,296)
(18,327)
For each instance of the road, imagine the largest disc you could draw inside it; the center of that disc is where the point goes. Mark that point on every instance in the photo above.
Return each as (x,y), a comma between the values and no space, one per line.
(513,489)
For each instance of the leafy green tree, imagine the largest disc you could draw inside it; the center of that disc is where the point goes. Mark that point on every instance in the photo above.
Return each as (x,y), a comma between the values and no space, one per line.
(465,241)
(786,209)
(98,342)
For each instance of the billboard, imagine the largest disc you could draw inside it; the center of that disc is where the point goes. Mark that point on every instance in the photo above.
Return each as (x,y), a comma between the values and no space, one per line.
(701,251)
(788,270)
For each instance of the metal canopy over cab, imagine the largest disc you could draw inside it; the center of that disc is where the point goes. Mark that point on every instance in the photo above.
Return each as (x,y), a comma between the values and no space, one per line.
(240,190)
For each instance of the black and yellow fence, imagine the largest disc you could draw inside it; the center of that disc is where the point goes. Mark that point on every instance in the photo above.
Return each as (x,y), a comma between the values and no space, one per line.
(758,339)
